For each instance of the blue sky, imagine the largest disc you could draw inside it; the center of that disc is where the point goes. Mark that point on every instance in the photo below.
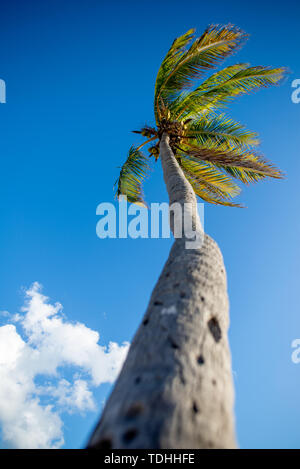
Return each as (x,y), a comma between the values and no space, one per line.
(80,76)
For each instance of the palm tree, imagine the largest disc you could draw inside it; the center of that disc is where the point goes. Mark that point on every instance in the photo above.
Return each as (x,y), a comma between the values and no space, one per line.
(175,389)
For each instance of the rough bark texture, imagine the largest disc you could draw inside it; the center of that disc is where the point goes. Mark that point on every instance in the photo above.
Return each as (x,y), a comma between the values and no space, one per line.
(175,389)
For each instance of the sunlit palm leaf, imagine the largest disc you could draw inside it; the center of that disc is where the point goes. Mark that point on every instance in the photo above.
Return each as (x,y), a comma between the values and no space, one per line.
(189,101)
(209,176)
(203,190)
(238,158)
(247,176)
(176,50)
(220,130)
(215,44)
(131,177)
(224,86)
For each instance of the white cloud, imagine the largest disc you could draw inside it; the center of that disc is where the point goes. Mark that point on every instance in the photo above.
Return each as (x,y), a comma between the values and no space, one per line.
(31,406)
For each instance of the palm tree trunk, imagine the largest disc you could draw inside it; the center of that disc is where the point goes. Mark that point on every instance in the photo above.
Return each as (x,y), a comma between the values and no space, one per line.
(175,389)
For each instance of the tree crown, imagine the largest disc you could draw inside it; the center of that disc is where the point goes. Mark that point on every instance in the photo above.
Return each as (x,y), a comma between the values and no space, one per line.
(212,149)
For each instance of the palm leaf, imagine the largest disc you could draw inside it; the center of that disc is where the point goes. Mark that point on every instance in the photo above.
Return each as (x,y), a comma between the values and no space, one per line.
(225,85)
(203,190)
(190,100)
(215,44)
(236,157)
(176,50)
(132,174)
(247,176)
(211,177)
(220,130)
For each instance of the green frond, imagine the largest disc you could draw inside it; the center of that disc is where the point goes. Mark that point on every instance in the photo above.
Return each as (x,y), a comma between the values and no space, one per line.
(222,88)
(236,157)
(215,44)
(176,50)
(204,191)
(190,102)
(131,177)
(220,131)
(246,176)
(210,177)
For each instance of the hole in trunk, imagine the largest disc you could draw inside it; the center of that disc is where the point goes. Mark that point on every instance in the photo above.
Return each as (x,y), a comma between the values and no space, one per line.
(200,360)
(129,435)
(158,303)
(215,329)
(173,343)
(195,408)
(137,380)
(145,322)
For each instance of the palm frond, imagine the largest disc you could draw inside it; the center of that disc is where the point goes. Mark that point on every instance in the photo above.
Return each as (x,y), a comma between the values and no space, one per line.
(246,176)
(216,131)
(211,177)
(236,157)
(225,85)
(205,192)
(189,101)
(215,44)
(131,177)
(176,50)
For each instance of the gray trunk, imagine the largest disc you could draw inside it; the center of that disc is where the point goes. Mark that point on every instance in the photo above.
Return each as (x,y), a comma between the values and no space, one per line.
(175,389)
